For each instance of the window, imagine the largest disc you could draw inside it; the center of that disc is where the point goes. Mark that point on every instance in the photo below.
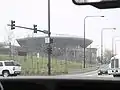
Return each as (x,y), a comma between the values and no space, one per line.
(1,64)
(116,63)
(112,63)
(9,64)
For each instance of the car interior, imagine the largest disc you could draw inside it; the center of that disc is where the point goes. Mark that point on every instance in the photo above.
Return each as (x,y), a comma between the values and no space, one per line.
(59,84)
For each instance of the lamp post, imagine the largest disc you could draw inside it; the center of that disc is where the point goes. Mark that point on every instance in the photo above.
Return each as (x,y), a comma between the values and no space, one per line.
(97,47)
(90,56)
(113,39)
(115,46)
(84,35)
(102,41)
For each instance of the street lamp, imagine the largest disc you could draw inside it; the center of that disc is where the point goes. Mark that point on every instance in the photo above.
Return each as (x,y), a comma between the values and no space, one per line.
(113,38)
(102,41)
(90,56)
(84,35)
(115,45)
(98,47)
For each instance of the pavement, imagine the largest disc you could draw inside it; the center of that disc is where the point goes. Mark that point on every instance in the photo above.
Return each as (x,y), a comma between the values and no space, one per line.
(90,75)
(78,71)
(87,74)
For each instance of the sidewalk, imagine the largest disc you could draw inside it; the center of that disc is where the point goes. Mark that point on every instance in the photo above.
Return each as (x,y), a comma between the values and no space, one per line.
(76,71)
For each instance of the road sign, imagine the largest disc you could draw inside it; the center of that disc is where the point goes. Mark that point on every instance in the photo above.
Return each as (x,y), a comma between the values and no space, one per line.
(47,40)
(38,55)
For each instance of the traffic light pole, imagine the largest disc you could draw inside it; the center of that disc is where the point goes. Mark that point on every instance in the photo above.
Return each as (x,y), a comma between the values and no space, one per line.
(49,44)
(44,31)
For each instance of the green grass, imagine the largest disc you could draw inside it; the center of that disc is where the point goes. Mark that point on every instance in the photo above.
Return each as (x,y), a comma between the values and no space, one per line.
(38,66)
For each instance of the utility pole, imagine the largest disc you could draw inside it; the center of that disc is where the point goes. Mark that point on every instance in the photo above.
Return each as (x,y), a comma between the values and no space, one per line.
(10,50)
(49,44)
(10,47)
(90,56)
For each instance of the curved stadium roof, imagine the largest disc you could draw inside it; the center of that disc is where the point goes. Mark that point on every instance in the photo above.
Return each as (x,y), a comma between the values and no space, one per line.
(59,42)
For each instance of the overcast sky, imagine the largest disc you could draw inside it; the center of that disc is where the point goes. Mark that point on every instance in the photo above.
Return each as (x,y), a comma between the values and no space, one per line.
(66,18)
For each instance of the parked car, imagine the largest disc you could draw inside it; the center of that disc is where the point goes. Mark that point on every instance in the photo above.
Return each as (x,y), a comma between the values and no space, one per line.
(103,69)
(9,67)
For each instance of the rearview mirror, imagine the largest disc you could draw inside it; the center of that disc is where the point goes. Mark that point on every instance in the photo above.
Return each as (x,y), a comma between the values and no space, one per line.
(90,1)
(101,4)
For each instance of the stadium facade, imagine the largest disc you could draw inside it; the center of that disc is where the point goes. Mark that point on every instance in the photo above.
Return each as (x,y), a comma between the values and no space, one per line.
(70,48)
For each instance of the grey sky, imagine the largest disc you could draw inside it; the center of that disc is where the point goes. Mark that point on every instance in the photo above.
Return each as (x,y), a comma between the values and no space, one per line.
(66,18)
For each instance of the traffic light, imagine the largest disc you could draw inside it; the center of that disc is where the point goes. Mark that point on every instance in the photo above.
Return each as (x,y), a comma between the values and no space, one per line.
(49,50)
(51,40)
(35,28)
(12,24)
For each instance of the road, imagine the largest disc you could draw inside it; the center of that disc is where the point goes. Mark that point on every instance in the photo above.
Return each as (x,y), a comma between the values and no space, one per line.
(88,74)
(92,74)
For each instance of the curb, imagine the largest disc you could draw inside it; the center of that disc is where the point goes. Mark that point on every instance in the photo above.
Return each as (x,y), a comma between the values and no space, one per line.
(83,71)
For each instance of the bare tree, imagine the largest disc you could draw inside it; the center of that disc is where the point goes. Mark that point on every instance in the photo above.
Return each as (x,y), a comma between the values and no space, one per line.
(107,56)
(9,39)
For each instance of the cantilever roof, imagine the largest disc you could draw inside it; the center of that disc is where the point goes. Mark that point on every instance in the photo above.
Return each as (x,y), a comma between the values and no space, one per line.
(58,41)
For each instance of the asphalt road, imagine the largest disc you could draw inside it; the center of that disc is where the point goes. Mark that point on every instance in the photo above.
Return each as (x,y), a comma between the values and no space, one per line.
(88,74)
(92,74)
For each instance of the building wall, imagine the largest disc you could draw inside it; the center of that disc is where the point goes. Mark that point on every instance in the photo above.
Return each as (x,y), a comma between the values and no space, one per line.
(71,53)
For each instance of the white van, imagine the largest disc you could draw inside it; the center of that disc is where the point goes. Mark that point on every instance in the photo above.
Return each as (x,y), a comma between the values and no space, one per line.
(114,66)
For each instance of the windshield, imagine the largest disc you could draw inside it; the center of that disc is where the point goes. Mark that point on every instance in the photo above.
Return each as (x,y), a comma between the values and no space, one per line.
(58,37)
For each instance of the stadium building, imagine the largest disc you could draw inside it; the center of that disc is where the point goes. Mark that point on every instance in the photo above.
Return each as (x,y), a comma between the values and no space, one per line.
(63,48)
